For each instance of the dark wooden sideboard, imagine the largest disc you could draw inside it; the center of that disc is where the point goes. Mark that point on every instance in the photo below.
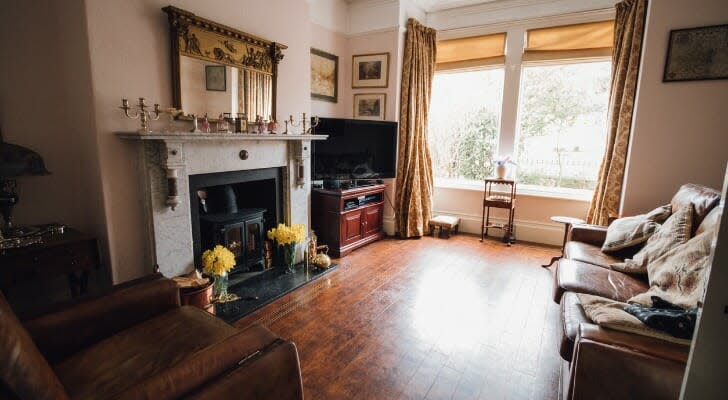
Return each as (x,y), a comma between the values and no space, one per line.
(348,219)
(71,253)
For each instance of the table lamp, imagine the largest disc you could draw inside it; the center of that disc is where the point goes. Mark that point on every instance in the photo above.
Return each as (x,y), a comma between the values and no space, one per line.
(15,161)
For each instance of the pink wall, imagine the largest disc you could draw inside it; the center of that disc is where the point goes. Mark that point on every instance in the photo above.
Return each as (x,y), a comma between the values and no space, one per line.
(335,43)
(129,51)
(680,129)
(46,103)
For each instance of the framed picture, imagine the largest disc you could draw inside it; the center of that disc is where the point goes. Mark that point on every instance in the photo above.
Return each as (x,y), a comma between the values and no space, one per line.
(697,54)
(370,106)
(215,78)
(324,76)
(370,71)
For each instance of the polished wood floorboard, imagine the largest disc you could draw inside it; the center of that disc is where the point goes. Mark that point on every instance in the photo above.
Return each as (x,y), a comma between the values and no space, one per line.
(426,319)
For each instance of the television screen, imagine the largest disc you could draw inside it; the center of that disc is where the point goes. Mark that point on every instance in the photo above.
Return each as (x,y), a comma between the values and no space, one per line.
(355,149)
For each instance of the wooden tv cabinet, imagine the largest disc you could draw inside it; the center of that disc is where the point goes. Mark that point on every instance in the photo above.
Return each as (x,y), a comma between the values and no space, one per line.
(346,219)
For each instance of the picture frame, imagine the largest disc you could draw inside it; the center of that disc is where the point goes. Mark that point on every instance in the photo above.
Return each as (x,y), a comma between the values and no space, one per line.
(324,76)
(696,54)
(371,106)
(215,78)
(370,70)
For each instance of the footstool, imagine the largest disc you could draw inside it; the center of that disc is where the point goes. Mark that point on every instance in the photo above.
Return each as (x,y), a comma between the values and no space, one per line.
(445,223)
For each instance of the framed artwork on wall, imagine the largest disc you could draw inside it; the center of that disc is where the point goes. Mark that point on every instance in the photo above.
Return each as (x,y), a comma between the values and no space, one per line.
(697,54)
(324,76)
(370,106)
(370,70)
(215,78)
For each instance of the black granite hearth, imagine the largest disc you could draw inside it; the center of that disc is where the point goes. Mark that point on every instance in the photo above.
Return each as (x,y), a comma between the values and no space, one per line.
(257,289)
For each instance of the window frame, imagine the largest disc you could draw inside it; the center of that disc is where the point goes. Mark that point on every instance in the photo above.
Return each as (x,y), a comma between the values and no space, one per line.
(509,116)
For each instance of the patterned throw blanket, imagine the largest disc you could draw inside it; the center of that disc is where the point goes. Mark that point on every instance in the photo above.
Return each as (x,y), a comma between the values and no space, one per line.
(678,277)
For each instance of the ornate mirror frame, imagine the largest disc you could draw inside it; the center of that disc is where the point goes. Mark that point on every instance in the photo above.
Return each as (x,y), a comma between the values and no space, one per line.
(207,40)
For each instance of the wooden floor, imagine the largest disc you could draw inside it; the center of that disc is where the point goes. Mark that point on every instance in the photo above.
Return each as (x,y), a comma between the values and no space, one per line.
(426,319)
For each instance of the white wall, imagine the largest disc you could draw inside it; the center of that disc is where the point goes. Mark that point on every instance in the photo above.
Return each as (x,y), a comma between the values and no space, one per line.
(46,104)
(680,129)
(335,43)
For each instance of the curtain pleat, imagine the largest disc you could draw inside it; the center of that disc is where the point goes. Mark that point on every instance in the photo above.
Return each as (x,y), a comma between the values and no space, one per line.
(255,92)
(628,32)
(413,201)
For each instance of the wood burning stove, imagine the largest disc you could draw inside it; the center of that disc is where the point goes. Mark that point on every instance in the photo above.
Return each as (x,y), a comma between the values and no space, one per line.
(235,209)
(241,232)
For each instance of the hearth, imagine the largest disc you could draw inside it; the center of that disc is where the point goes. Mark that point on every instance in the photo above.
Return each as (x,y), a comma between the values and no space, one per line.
(235,209)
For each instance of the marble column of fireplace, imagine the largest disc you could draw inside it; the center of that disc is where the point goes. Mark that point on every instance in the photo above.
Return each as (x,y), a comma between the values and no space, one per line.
(167,160)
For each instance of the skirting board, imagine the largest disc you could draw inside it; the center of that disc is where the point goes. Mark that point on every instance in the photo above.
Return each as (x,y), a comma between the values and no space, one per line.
(529,231)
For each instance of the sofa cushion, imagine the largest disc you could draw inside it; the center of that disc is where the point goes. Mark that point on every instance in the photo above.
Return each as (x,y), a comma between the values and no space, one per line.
(701,198)
(630,231)
(711,221)
(592,254)
(572,316)
(579,277)
(133,355)
(23,370)
(674,232)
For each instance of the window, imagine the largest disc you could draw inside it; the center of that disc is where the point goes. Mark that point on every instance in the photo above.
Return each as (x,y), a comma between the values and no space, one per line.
(562,124)
(551,100)
(464,123)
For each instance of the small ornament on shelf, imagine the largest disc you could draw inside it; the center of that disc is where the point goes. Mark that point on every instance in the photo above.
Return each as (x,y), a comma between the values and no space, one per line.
(142,113)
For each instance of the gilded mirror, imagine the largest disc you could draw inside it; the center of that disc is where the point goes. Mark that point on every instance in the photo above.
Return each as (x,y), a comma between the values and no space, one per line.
(217,69)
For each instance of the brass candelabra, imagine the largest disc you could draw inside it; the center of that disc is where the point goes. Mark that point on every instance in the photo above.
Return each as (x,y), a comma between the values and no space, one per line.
(302,123)
(142,113)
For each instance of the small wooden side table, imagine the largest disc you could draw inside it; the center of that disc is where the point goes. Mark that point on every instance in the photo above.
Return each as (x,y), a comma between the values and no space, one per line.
(71,253)
(504,197)
(568,222)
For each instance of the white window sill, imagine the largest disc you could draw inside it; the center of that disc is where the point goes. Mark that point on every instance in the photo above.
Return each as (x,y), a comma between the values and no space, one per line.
(522,190)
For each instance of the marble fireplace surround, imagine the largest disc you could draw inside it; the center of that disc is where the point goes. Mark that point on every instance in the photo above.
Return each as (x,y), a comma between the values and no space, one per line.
(166,160)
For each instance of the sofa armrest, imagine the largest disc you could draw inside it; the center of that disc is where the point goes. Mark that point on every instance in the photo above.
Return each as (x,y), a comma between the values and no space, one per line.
(610,364)
(250,361)
(63,332)
(592,234)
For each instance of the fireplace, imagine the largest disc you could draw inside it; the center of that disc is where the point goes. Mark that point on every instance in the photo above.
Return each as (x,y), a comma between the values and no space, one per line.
(235,209)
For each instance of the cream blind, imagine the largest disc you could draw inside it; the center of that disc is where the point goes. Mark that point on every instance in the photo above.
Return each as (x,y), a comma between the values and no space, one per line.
(471,52)
(592,39)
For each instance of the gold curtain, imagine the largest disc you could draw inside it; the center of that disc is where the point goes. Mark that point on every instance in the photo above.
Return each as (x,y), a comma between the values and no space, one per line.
(413,203)
(255,93)
(628,31)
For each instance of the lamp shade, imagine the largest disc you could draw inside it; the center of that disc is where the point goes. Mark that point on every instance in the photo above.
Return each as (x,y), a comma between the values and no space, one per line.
(18,161)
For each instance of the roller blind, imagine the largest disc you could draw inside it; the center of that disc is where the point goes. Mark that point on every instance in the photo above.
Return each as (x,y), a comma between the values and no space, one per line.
(589,40)
(471,52)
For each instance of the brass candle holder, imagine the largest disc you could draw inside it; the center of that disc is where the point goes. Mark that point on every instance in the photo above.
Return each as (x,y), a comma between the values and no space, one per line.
(142,113)
(302,123)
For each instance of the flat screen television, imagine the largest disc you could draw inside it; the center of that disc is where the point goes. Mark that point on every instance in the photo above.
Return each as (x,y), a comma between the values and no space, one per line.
(356,149)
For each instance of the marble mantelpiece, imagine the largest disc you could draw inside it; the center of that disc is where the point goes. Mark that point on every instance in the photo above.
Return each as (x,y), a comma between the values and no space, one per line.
(166,160)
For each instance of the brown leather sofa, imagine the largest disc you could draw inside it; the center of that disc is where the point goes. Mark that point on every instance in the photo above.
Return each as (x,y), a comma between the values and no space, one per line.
(137,342)
(602,363)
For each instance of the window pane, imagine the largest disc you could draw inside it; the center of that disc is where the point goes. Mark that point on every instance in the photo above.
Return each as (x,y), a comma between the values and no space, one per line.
(464,121)
(562,116)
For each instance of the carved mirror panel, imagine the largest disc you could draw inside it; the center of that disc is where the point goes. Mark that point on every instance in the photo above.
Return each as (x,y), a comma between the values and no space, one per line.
(217,69)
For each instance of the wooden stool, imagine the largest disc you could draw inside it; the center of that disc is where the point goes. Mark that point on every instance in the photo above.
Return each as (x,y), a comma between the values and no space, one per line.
(444,222)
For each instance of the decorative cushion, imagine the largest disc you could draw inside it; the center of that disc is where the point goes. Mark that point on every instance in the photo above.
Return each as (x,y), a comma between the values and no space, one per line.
(23,370)
(675,231)
(629,231)
(679,276)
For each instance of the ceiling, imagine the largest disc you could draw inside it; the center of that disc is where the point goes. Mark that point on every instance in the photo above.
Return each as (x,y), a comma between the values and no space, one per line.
(439,5)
